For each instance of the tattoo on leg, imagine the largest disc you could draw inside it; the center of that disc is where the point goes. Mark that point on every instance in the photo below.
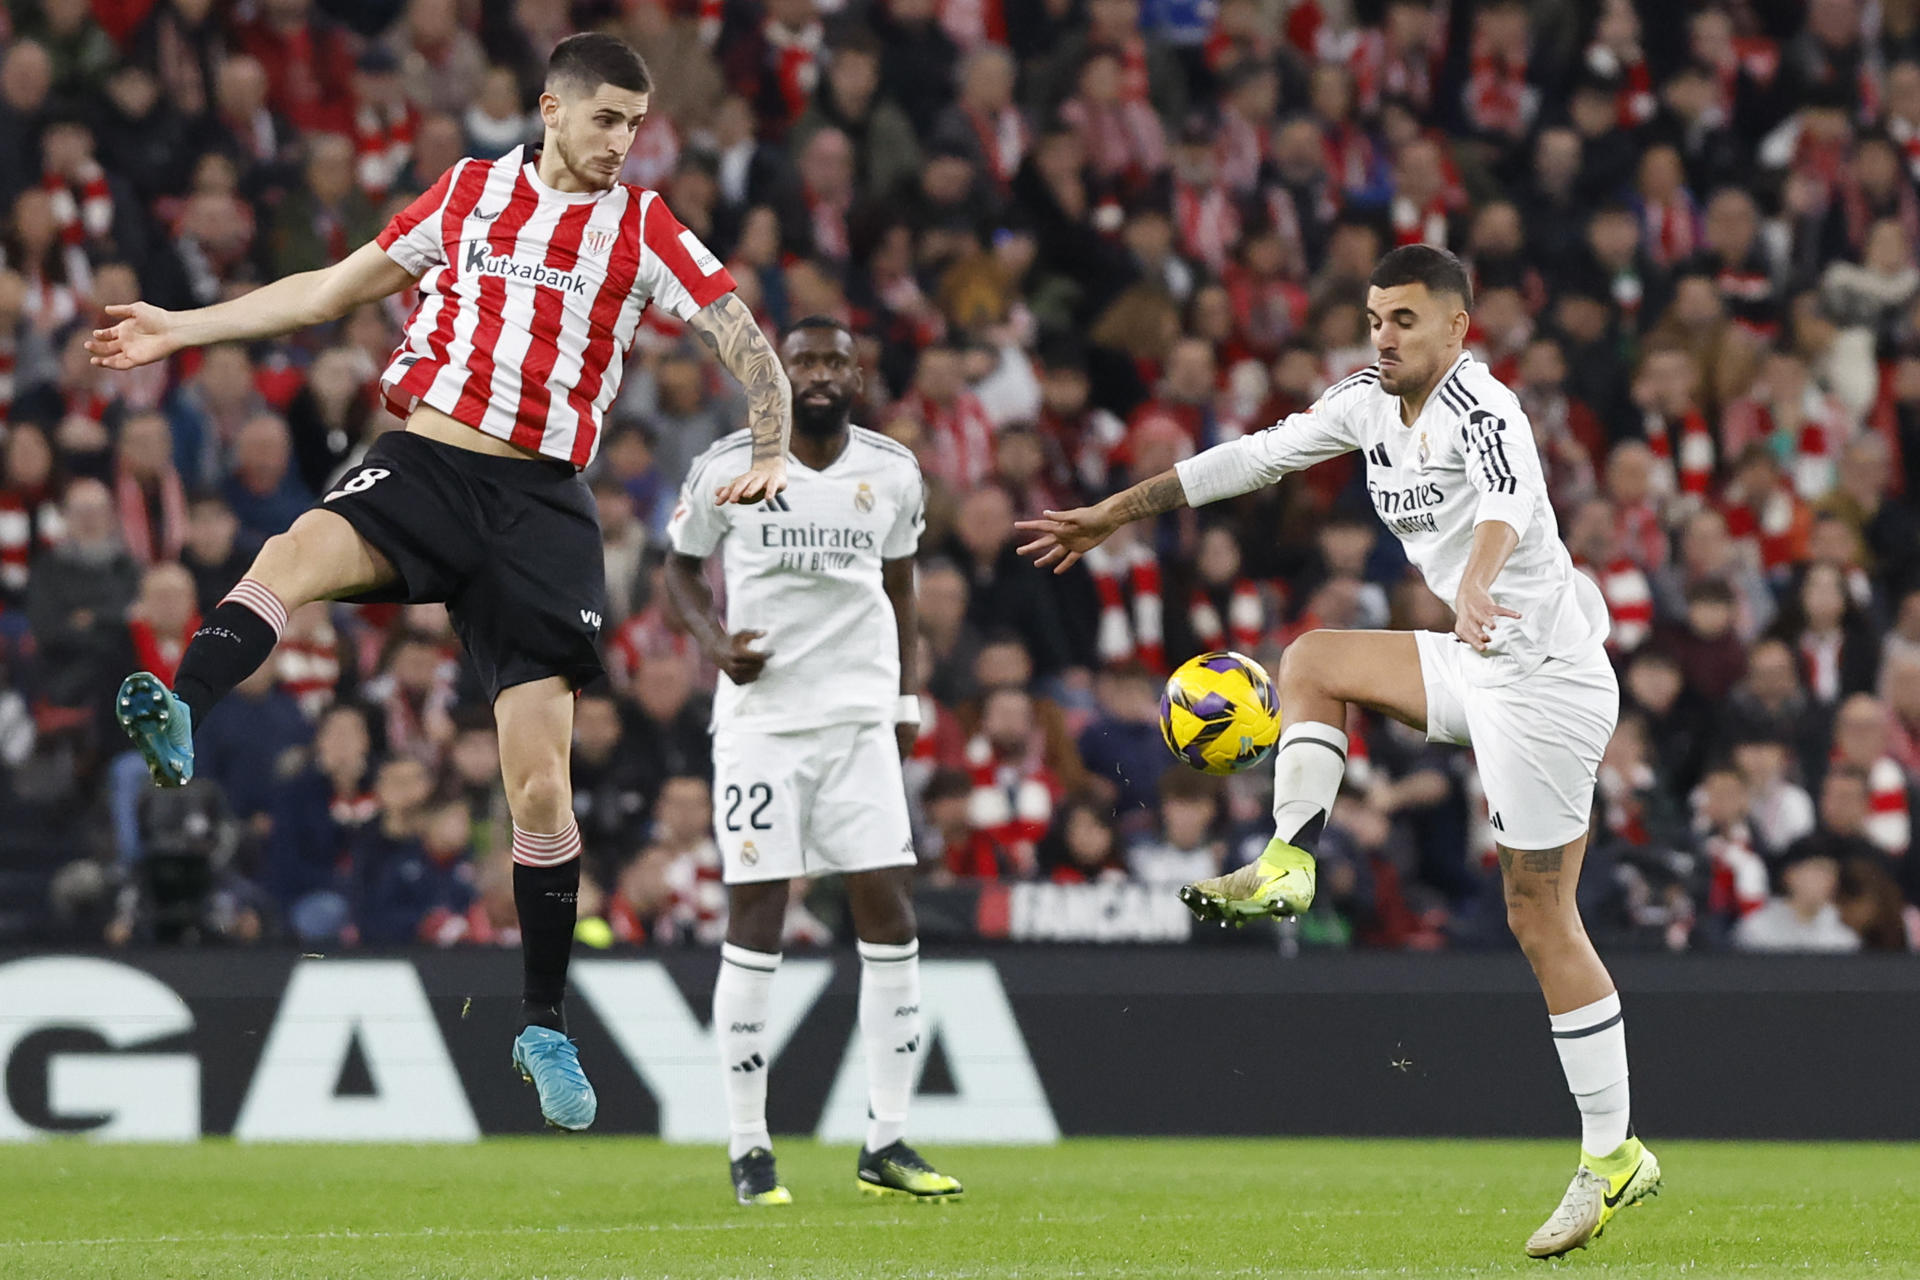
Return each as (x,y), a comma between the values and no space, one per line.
(1506,861)
(1541,860)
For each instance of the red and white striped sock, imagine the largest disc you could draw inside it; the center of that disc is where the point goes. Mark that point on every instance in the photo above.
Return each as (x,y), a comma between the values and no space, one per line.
(532,850)
(258,599)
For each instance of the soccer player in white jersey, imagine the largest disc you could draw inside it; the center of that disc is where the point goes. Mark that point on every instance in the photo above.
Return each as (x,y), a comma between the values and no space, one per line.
(533,273)
(1523,678)
(814,713)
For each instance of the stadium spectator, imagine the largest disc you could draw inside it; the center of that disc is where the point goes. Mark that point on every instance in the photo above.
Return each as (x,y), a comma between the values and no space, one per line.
(1084,846)
(1187,845)
(315,814)
(1805,916)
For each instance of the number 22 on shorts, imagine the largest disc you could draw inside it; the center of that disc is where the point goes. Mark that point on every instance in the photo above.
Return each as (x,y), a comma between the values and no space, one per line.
(759,795)
(365,480)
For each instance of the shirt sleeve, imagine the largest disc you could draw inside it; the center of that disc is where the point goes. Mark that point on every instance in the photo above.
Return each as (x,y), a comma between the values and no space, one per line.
(412,238)
(904,538)
(1254,461)
(677,271)
(697,524)
(1504,465)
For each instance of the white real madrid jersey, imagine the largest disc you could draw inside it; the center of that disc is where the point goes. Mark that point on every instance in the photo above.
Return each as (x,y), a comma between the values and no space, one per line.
(1468,457)
(804,567)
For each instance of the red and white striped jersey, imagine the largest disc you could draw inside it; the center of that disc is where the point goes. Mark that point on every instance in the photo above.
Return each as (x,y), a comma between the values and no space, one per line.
(529,299)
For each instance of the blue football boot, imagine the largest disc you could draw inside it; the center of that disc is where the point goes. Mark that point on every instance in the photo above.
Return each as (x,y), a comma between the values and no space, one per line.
(160,725)
(550,1062)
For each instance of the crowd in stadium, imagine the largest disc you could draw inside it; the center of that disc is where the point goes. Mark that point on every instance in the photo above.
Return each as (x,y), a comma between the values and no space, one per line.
(1081,239)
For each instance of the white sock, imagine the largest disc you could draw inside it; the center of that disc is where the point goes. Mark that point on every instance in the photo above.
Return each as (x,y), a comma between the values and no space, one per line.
(890,1031)
(1307,768)
(1592,1041)
(740,1000)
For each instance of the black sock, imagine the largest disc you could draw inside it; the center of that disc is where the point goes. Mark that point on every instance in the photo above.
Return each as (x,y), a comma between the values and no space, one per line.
(548,901)
(1308,837)
(229,646)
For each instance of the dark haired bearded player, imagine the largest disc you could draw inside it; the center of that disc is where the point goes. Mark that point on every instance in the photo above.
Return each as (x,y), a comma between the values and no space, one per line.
(1524,679)
(809,729)
(533,274)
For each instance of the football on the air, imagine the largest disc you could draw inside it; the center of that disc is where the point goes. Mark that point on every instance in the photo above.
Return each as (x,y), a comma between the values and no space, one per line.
(1220,713)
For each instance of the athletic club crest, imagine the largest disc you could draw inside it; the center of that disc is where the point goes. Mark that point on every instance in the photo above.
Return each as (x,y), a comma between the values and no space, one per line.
(863,497)
(597,242)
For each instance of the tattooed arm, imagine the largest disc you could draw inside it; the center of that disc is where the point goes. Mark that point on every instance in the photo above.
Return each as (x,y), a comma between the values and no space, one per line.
(734,337)
(1065,536)
(1224,471)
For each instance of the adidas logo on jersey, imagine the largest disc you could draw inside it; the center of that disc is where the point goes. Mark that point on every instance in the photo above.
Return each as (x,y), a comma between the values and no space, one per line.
(778,502)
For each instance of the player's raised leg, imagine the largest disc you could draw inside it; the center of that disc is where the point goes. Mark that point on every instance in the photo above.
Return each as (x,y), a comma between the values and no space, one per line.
(319,558)
(1320,673)
(741,995)
(892,1034)
(536,733)
(1583,1011)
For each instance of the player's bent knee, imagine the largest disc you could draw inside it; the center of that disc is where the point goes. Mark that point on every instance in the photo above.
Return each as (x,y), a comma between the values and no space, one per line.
(1303,661)
(541,800)
(1542,927)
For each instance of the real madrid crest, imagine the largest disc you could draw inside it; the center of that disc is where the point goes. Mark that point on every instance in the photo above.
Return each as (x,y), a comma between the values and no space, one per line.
(863,497)
(1423,448)
(748,853)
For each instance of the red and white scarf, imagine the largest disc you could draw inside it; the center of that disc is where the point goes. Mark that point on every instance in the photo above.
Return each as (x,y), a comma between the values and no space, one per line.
(1686,467)
(148,544)
(383,143)
(1498,97)
(795,58)
(1239,150)
(1244,625)
(30,522)
(1417,224)
(158,653)
(1672,229)
(1623,585)
(1012,801)
(1209,224)
(86,216)
(1128,582)
(1004,140)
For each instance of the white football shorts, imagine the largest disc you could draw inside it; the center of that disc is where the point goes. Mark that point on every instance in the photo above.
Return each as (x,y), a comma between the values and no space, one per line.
(816,802)
(1537,741)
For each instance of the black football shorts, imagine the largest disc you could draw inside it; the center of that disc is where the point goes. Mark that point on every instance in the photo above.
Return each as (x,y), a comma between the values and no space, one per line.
(510,545)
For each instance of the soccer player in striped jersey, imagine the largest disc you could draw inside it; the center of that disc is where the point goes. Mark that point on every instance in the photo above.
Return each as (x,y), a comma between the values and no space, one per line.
(533,273)
(1524,678)
(814,713)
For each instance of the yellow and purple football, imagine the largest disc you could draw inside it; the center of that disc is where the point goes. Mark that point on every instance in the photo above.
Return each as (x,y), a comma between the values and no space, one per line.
(1220,713)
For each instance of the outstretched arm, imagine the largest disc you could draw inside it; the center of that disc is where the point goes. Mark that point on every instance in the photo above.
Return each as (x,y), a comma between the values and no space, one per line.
(1065,536)
(146,333)
(733,335)
(1224,471)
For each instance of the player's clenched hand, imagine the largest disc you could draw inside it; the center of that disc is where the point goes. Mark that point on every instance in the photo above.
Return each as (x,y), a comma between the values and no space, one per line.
(1065,536)
(1473,616)
(762,480)
(740,660)
(144,334)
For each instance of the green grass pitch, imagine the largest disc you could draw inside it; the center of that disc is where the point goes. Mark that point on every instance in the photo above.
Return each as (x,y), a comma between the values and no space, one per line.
(604,1208)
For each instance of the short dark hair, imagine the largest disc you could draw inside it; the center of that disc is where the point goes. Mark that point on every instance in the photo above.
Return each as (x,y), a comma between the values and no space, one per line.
(591,59)
(1437,269)
(818,322)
